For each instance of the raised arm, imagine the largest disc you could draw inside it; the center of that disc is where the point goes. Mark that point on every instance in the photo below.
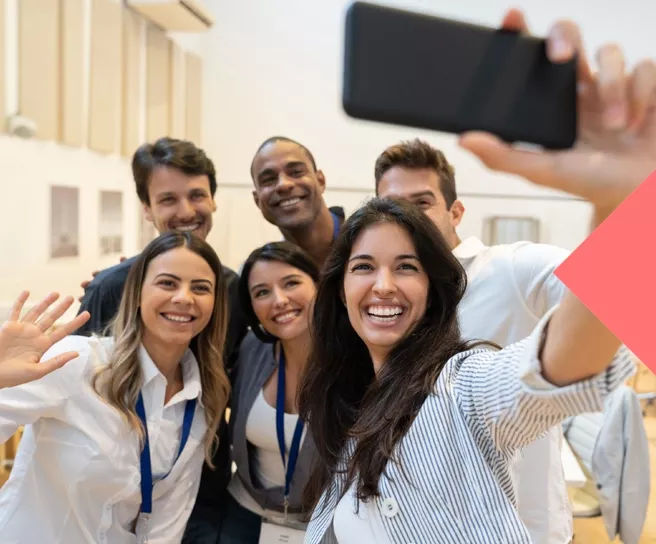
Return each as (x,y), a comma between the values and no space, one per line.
(23,341)
(615,152)
(506,397)
(34,384)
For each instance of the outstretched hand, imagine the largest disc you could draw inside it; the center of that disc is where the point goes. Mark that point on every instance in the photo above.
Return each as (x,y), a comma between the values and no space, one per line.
(24,341)
(616,146)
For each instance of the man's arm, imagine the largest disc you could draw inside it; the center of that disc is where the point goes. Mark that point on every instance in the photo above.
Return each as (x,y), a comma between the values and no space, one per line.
(533,267)
(102,299)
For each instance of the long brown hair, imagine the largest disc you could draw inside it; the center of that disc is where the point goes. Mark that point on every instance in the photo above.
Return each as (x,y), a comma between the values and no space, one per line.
(119,382)
(339,397)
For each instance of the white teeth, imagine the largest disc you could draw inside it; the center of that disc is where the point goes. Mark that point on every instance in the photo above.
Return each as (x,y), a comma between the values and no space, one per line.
(289,202)
(286,317)
(187,228)
(178,318)
(385,311)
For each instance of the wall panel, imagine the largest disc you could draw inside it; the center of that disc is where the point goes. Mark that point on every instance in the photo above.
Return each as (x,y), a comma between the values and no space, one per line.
(194,98)
(72,112)
(132,83)
(39,65)
(3,75)
(158,83)
(105,76)
(178,88)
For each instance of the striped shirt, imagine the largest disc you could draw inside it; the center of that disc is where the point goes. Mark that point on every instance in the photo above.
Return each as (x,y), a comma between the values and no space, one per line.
(458,457)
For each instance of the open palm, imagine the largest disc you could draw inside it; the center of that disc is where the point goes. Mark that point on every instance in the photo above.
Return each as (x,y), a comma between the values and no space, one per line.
(616,146)
(24,341)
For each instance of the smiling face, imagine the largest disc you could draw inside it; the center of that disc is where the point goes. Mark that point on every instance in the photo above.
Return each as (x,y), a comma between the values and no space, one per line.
(181,202)
(282,298)
(385,288)
(177,298)
(288,189)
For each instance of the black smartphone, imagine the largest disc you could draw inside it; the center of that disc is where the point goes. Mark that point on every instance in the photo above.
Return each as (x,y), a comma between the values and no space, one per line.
(412,69)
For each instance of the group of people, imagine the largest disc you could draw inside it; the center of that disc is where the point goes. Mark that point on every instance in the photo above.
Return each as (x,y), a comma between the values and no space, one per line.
(371,378)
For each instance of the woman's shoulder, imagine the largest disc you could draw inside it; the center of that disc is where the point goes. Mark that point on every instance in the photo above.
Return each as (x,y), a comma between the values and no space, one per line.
(254,352)
(475,353)
(252,344)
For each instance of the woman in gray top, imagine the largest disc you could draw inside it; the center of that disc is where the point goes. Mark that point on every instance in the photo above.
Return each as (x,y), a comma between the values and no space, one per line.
(277,289)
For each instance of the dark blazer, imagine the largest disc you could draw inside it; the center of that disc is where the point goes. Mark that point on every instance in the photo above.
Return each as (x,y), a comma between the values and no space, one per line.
(255,365)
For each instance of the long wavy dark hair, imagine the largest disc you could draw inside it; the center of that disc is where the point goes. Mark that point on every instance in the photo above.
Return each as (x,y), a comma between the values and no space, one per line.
(340,397)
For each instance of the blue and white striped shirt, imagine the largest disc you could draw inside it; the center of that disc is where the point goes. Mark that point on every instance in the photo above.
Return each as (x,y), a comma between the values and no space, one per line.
(455,484)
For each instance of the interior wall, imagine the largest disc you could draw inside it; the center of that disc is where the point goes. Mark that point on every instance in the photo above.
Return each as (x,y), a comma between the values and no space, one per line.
(28,168)
(275,68)
(268,68)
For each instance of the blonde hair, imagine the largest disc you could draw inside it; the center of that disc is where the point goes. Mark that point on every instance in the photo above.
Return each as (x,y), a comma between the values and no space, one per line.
(120,381)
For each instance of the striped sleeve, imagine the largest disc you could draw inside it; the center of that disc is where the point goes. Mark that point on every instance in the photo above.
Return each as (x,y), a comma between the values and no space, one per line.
(504,394)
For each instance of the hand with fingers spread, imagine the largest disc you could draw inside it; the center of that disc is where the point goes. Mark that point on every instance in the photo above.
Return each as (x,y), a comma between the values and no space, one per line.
(24,341)
(616,146)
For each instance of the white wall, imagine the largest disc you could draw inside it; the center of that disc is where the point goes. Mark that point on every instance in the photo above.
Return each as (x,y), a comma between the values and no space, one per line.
(27,170)
(275,68)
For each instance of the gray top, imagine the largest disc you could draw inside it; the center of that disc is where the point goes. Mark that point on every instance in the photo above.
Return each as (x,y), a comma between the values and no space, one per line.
(255,364)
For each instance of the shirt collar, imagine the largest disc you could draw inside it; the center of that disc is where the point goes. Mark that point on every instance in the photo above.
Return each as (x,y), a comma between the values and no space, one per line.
(468,249)
(190,374)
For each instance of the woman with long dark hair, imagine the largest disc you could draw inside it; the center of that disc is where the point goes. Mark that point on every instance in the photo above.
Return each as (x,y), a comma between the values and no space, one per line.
(418,432)
(277,289)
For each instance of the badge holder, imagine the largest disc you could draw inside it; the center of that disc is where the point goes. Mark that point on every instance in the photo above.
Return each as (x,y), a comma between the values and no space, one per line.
(278,529)
(141,528)
(142,524)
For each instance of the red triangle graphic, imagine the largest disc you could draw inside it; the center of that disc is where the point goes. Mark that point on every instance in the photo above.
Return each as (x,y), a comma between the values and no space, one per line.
(613,272)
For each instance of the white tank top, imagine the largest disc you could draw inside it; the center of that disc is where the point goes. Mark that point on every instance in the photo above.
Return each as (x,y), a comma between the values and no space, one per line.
(267,468)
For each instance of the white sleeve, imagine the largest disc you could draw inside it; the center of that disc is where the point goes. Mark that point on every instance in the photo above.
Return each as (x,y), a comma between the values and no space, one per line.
(26,403)
(504,395)
(171,510)
(533,267)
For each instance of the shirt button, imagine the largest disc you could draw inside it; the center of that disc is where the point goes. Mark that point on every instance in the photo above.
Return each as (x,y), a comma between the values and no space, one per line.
(390,508)
(136,479)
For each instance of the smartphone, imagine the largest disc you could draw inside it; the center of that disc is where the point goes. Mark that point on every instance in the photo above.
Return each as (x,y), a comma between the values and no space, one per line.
(412,69)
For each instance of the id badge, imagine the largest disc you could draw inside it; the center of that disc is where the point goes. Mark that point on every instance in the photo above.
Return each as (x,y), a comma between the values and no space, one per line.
(141,529)
(273,532)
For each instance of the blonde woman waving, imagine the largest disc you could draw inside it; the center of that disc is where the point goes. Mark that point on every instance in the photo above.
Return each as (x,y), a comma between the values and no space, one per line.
(115,439)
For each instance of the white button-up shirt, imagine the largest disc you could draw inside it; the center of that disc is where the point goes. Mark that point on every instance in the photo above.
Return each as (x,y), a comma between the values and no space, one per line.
(76,477)
(510,288)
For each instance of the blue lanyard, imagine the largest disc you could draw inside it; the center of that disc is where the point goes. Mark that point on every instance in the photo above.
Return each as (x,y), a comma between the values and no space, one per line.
(280,428)
(336,225)
(144,461)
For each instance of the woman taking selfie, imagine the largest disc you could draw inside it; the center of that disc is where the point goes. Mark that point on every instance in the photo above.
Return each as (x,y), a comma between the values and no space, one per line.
(427,427)
(277,288)
(418,433)
(115,439)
